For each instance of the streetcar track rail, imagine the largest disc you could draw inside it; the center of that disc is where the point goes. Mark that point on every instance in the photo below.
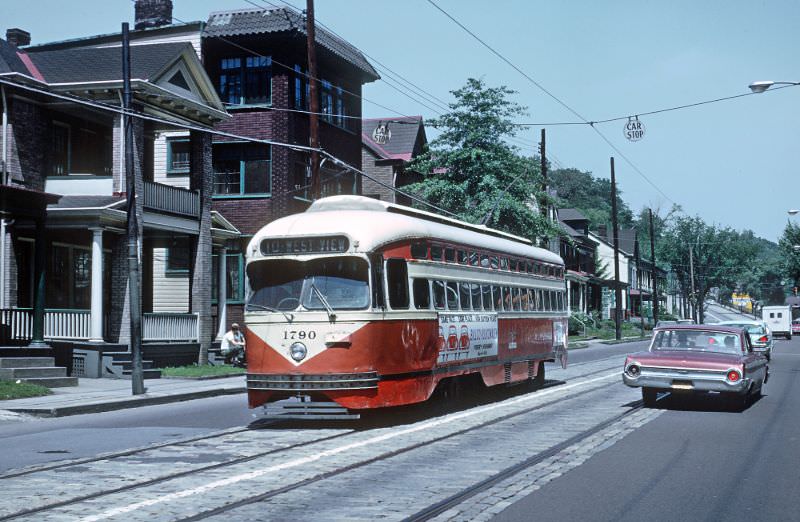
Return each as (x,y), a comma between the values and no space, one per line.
(454,500)
(238,460)
(384,456)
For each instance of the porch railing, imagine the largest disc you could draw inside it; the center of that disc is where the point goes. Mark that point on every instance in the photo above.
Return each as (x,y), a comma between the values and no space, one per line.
(16,324)
(167,326)
(175,200)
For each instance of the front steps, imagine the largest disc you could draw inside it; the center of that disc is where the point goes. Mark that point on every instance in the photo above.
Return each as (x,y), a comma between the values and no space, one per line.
(35,370)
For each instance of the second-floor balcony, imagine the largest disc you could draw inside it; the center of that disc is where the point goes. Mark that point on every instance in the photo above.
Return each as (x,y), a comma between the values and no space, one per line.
(173,200)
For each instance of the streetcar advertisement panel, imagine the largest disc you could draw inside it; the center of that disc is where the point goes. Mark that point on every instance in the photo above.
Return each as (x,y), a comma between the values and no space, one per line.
(465,336)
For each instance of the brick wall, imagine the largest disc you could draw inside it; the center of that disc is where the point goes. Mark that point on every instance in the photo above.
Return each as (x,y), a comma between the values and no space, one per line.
(200,295)
(383,173)
(29,140)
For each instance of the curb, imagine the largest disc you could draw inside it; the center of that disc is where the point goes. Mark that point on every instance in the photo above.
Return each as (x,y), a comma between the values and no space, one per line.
(64,411)
(204,378)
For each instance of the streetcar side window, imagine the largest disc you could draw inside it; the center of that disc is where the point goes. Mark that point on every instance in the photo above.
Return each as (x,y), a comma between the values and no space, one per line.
(397,283)
(494,263)
(473,258)
(506,298)
(419,250)
(516,299)
(436,253)
(452,295)
(561,304)
(422,294)
(449,255)
(464,290)
(462,256)
(486,295)
(484,261)
(475,290)
(498,298)
(438,295)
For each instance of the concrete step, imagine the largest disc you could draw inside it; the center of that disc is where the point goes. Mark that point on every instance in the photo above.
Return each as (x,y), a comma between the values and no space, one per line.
(26,362)
(148,373)
(52,382)
(32,372)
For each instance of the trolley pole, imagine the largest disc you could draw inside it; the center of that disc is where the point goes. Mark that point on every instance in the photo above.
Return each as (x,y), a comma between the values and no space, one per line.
(137,374)
(313,102)
(617,287)
(655,273)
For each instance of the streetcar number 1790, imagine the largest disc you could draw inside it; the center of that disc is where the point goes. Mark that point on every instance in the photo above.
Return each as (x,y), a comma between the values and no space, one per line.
(299,334)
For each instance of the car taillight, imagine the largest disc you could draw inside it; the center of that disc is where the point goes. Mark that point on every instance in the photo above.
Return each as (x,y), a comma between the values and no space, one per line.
(734,375)
(763,339)
(633,370)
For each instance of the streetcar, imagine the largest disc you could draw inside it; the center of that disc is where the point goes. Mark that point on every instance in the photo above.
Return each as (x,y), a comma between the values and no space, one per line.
(370,304)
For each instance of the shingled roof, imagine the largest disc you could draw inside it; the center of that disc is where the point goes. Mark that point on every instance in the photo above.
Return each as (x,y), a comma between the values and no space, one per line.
(105,63)
(278,20)
(404,141)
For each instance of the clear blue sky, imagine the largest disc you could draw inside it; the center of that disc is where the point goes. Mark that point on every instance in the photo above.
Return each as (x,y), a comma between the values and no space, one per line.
(733,163)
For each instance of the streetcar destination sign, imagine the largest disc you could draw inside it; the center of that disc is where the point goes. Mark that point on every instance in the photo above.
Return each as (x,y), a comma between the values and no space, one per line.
(304,245)
(634,129)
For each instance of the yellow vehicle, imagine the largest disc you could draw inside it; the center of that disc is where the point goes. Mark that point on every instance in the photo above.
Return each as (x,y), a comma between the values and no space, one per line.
(742,302)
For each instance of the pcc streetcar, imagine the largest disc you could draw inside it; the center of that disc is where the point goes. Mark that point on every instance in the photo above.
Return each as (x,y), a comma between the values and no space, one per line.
(371,304)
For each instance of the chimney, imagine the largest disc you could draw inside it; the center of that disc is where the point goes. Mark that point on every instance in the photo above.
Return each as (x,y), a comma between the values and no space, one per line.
(18,37)
(152,13)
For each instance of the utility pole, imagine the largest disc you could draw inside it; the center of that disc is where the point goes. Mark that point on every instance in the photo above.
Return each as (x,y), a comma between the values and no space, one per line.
(543,158)
(134,295)
(617,287)
(692,298)
(655,273)
(641,294)
(313,102)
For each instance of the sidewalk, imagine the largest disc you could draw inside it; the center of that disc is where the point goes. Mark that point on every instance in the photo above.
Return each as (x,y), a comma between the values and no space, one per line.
(98,395)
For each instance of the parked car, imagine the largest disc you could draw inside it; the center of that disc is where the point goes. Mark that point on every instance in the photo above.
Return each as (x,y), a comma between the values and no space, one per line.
(778,319)
(665,323)
(698,359)
(760,335)
(796,326)
(686,321)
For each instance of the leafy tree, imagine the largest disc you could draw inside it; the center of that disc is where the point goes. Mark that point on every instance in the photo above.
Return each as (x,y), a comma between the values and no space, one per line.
(471,170)
(790,257)
(719,256)
(590,195)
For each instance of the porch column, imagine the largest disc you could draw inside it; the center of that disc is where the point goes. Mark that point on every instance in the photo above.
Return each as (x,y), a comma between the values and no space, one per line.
(222,293)
(39,264)
(96,335)
(569,294)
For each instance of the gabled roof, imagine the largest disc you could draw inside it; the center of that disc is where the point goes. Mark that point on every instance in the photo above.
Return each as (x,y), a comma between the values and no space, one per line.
(10,61)
(570,214)
(403,140)
(105,63)
(279,20)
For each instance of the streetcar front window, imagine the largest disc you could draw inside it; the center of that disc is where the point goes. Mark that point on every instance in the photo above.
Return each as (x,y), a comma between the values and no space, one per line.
(285,285)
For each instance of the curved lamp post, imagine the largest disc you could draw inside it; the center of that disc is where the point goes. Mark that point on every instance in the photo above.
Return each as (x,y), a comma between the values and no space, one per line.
(762,86)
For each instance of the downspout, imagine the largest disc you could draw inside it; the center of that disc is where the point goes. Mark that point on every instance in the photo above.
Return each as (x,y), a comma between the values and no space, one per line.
(3,220)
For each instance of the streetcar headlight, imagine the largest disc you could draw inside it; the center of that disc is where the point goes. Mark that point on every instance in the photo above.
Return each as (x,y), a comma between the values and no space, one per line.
(298,351)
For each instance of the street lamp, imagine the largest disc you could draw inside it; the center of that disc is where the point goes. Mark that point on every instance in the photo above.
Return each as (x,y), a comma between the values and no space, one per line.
(762,86)
(793,211)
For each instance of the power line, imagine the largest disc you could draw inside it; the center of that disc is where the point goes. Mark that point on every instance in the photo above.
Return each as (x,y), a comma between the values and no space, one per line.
(554,97)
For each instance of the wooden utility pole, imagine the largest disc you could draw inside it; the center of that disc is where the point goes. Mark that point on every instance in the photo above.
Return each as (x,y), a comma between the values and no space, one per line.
(134,294)
(655,273)
(617,287)
(313,102)
(543,158)
(692,304)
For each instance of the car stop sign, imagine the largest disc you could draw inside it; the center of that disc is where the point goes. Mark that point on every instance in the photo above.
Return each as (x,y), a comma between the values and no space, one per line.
(634,129)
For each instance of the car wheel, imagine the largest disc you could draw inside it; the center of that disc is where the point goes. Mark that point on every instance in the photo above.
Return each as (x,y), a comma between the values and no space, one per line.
(649,397)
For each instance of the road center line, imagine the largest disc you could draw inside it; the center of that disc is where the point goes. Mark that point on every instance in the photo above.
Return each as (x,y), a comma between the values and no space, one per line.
(335,451)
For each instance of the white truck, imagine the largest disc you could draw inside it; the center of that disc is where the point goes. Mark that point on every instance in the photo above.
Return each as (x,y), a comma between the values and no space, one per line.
(778,319)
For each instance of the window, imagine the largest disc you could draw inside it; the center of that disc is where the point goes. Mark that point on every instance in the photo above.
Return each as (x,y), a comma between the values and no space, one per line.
(419,250)
(422,294)
(59,150)
(245,81)
(462,257)
(438,295)
(486,295)
(241,169)
(178,155)
(464,289)
(452,295)
(436,253)
(178,258)
(397,282)
(234,268)
(69,278)
(301,89)
(449,255)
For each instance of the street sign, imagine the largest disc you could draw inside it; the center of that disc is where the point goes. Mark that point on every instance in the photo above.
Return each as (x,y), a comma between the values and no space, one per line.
(634,129)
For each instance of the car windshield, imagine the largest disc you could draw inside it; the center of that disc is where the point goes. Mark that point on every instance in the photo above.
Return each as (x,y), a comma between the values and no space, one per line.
(341,283)
(697,340)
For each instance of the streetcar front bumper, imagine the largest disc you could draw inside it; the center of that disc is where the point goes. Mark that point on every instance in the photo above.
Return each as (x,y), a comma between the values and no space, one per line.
(312,382)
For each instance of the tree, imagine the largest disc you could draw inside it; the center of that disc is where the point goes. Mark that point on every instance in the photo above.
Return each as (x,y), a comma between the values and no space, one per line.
(719,257)
(790,257)
(471,170)
(590,195)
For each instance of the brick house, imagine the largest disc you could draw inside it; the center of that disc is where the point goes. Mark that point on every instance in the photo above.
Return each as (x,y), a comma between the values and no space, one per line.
(64,136)
(389,144)
(256,61)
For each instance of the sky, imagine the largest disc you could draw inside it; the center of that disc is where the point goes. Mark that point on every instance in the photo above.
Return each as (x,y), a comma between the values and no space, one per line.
(733,163)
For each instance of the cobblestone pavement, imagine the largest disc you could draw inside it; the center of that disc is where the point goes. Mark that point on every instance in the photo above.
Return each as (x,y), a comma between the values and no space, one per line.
(389,473)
